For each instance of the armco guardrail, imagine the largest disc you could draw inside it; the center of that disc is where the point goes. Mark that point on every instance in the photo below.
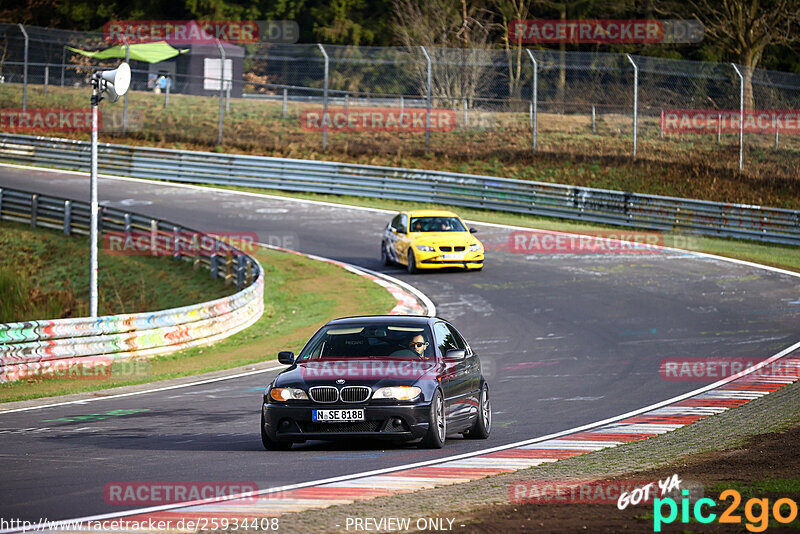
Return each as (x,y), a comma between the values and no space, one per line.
(41,348)
(519,196)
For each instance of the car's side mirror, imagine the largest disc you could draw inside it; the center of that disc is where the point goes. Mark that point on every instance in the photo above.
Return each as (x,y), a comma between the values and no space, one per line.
(473,231)
(286,357)
(455,354)
(401,230)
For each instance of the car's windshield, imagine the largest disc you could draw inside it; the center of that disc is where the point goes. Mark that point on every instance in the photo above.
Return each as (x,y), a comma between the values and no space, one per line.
(369,340)
(436,224)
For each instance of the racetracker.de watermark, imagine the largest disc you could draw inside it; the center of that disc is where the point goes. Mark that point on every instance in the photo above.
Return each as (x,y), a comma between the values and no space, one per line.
(387,119)
(573,491)
(716,368)
(45,120)
(600,31)
(183,32)
(168,492)
(90,368)
(375,369)
(598,242)
(728,121)
(185,243)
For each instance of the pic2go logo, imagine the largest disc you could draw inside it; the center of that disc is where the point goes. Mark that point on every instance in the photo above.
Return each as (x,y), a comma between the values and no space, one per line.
(783,510)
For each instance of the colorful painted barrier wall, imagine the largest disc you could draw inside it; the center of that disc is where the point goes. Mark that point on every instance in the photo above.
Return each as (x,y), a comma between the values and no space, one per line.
(37,348)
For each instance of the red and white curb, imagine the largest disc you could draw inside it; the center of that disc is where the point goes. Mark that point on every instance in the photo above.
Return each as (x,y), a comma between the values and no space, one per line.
(648,422)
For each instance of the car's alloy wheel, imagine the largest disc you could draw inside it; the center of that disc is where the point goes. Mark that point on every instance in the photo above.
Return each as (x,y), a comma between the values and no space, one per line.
(272,445)
(483,424)
(412,262)
(437,427)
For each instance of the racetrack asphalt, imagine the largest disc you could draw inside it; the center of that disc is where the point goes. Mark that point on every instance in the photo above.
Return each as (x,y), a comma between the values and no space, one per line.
(565,340)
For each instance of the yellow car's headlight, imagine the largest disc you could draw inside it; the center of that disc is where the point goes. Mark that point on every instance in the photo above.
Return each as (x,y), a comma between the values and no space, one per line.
(475,247)
(425,248)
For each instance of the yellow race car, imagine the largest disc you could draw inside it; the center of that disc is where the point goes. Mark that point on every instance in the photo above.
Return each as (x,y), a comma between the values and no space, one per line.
(430,239)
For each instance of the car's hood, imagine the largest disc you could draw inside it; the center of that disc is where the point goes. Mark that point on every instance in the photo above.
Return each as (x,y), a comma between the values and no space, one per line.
(358,372)
(446,238)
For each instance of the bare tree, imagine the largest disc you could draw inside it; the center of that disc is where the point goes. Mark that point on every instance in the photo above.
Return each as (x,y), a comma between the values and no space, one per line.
(510,10)
(457,37)
(744,28)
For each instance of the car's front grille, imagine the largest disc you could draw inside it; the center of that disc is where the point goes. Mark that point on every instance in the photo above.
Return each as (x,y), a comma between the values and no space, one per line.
(452,249)
(459,249)
(360,426)
(324,394)
(355,393)
(446,249)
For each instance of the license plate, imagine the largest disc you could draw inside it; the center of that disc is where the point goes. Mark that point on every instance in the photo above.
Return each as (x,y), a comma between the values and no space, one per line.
(459,256)
(336,416)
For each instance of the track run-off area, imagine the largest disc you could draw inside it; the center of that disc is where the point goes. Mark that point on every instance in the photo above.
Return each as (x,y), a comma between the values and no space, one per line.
(565,339)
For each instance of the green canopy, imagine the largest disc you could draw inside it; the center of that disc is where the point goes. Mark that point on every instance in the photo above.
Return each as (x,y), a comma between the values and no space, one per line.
(149,52)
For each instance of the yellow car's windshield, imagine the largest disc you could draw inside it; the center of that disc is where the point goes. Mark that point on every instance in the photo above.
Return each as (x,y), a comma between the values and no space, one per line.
(436,224)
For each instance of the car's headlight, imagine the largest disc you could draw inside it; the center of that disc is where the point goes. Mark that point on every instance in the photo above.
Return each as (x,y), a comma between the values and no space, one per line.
(475,247)
(284,394)
(425,248)
(397,393)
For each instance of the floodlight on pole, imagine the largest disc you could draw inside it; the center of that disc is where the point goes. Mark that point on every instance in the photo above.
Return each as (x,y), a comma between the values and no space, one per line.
(114,84)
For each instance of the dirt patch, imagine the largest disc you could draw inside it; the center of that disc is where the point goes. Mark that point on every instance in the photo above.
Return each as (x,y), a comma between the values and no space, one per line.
(765,458)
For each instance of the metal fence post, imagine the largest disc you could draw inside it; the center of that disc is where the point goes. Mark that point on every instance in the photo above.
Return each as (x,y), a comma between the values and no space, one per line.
(719,128)
(428,102)
(213,269)
(166,93)
(221,89)
(67,217)
(153,237)
(324,99)
(594,130)
(534,100)
(24,70)
(635,103)
(176,246)
(466,117)
(34,209)
(46,77)
(741,115)
(125,102)
(63,63)
(777,129)
(661,125)
(285,98)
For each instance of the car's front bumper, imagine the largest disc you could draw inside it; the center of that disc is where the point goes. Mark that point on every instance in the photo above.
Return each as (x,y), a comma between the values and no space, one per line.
(435,260)
(403,422)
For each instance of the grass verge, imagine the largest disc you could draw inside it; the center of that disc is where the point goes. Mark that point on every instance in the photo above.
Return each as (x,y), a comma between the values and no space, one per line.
(299,295)
(45,275)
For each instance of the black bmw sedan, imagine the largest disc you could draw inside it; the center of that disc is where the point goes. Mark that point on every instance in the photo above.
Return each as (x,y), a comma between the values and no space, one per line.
(393,377)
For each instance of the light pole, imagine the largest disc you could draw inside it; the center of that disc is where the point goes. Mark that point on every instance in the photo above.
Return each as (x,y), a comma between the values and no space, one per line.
(115,83)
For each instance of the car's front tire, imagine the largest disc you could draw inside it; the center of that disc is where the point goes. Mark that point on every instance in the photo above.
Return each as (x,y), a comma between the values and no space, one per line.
(483,424)
(385,258)
(270,444)
(437,427)
(412,263)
